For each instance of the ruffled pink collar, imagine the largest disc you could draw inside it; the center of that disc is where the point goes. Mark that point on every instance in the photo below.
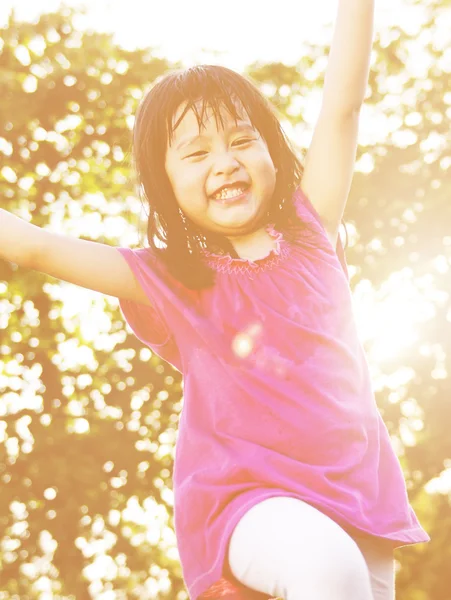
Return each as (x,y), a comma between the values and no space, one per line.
(227,264)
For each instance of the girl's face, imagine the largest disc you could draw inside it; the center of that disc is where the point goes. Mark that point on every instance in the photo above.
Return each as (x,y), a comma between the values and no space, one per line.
(200,163)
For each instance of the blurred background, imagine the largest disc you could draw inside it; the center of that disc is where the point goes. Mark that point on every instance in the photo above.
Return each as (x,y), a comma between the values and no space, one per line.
(88,416)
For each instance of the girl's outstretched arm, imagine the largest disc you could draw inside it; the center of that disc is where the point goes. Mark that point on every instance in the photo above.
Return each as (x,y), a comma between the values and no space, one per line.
(330,161)
(92,265)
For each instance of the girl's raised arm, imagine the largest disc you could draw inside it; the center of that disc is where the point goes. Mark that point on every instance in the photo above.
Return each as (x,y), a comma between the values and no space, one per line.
(330,161)
(91,265)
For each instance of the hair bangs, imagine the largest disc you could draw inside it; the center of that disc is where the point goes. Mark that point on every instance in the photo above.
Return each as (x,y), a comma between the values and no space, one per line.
(201,90)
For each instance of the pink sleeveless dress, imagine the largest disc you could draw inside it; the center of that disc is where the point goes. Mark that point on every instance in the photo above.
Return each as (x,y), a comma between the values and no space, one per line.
(277,398)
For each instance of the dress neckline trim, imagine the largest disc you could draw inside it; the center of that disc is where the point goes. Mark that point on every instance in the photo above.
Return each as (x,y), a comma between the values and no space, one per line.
(227,264)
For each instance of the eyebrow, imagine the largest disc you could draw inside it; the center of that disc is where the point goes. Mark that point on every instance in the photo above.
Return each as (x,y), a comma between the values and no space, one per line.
(187,141)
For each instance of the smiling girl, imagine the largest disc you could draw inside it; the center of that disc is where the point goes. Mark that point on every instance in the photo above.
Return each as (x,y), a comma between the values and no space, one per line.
(285,480)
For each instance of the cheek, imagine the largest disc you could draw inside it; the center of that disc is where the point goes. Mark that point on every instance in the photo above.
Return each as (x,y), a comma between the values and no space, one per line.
(267,172)
(188,187)
(190,192)
(264,163)
(191,177)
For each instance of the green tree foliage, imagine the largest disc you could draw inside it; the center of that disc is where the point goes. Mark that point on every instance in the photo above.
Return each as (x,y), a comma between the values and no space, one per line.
(88,416)
(95,428)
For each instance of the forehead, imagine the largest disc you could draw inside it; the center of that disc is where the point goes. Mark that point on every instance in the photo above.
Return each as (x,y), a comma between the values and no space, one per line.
(203,115)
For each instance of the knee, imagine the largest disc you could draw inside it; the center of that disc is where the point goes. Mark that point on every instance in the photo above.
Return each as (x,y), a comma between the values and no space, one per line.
(346,574)
(338,572)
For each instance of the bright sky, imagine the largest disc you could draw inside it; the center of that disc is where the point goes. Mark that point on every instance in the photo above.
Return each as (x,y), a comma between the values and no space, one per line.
(241,31)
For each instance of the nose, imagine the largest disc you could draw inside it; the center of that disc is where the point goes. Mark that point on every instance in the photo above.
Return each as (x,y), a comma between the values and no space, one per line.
(225,163)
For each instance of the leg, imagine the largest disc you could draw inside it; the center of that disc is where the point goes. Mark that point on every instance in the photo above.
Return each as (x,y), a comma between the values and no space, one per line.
(381,565)
(285,547)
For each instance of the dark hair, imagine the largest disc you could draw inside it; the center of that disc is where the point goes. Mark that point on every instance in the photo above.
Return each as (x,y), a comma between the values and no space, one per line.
(181,241)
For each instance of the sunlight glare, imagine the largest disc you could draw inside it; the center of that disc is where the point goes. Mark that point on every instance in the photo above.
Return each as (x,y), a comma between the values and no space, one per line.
(388,318)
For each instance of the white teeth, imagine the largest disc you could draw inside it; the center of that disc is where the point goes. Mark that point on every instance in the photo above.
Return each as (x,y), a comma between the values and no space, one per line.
(229,193)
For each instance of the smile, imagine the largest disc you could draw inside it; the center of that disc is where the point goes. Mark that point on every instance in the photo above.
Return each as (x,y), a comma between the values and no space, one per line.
(231,196)
(229,193)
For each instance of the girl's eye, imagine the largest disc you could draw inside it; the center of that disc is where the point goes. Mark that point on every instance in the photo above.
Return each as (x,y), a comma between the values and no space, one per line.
(243,141)
(240,142)
(196,154)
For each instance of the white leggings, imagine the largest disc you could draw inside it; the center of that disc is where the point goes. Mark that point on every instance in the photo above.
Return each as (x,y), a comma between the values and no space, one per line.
(286,548)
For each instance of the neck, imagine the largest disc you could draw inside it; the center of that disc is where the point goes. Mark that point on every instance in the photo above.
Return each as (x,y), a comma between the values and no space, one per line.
(253,246)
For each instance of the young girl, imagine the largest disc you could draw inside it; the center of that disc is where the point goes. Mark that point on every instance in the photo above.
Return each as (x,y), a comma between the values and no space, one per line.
(285,480)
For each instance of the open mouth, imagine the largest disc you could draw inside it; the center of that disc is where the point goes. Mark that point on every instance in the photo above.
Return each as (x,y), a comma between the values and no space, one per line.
(231,194)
